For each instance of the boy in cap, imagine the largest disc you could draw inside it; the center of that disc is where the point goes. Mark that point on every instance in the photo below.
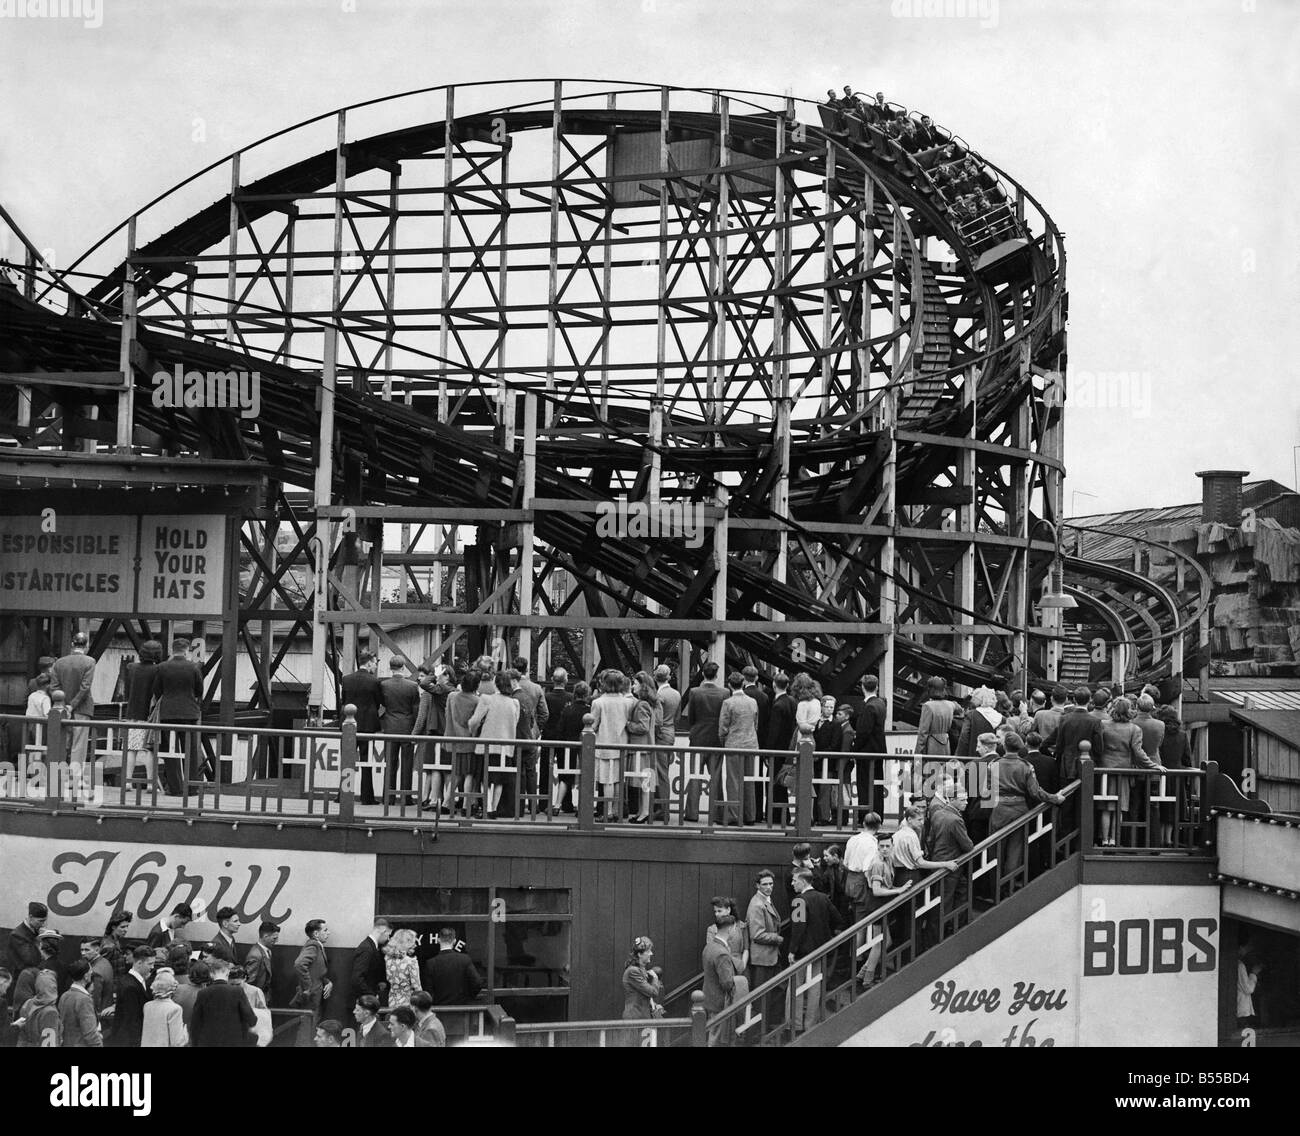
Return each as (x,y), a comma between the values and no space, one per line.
(22,951)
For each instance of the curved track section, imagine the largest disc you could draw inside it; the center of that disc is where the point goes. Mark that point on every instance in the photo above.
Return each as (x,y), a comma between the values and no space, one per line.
(710,295)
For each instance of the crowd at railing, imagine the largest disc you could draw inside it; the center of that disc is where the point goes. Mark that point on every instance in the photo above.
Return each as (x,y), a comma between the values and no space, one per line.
(937,161)
(861,912)
(770,754)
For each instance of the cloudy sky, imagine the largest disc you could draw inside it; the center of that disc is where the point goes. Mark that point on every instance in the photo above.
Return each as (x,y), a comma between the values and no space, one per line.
(1159,135)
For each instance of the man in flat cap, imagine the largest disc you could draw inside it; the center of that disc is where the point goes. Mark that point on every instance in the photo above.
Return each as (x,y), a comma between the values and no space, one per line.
(22,950)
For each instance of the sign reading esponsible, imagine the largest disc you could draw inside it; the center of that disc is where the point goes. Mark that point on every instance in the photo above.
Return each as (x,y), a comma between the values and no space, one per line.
(113,565)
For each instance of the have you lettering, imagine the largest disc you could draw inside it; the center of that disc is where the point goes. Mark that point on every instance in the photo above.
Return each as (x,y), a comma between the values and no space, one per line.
(949,998)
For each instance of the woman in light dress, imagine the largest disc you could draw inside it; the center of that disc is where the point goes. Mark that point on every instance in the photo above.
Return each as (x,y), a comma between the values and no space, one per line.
(466,770)
(643,727)
(610,712)
(1123,738)
(142,744)
(495,720)
(402,966)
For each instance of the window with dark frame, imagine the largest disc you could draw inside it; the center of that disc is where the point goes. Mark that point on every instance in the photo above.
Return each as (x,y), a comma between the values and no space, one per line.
(517,937)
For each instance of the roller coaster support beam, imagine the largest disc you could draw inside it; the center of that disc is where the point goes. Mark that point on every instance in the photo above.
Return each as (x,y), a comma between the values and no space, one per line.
(325,443)
(126,399)
(888,553)
(719,648)
(526,559)
(967,521)
(1019,608)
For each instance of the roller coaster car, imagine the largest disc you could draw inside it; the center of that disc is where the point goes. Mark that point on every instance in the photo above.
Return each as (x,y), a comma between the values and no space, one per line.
(832,119)
(1005,262)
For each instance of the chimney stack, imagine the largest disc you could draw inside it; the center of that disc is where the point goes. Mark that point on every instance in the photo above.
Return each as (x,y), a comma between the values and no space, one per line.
(1221,496)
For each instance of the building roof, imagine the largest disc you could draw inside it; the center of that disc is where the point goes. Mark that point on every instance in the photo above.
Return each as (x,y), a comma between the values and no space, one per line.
(1281,724)
(1136,522)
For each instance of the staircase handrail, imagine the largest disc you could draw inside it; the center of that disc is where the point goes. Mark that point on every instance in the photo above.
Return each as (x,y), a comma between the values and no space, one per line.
(738,1009)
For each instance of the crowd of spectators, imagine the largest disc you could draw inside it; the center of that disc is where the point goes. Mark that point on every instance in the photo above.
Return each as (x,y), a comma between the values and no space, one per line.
(170,992)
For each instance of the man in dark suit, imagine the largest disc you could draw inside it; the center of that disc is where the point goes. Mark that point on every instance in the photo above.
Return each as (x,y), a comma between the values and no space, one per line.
(1044,767)
(719,981)
(132,994)
(670,703)
(946,838)
(223,942)
(1050,779)
(450,976)
(534,713)
(361,689)
(312,970)
(73,674)
(814,923)
(399,705)
(178,686)
(557,698)
(164,934)
(223,1017)
(780,730)
(869,737)
(21,950)
(754,689)
(369,973)
(703,709)
(1076,725)
(257,963)
(370,1033)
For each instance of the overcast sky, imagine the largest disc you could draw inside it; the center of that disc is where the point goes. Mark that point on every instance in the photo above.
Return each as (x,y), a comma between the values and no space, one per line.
(1160,136)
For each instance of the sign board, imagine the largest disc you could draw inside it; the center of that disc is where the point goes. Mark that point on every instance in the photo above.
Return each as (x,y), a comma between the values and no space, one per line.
(1144,971)
(83,883)
(1149,958)
(124,564)
(1012,993)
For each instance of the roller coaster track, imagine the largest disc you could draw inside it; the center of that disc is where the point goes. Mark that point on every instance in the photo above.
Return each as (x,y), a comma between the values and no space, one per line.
(421,461)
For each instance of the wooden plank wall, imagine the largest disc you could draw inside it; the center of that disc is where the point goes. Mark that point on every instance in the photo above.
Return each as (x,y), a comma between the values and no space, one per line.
(1278,767)
(613,901)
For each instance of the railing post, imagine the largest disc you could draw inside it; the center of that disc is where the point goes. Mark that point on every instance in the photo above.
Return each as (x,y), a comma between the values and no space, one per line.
(803,771)
(1086,813)
(505,1031)
(56,745)
(587,775)
(348,765)
(1203,832)
(699,1021)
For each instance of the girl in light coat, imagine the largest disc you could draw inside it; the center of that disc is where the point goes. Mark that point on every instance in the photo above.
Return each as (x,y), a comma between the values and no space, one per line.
(495,720)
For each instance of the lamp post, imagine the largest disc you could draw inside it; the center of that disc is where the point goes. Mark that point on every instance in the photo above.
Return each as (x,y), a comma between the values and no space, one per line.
(1052,603)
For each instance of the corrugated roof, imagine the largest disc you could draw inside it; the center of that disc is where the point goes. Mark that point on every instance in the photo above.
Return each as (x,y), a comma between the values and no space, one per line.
(1138,522)
(1281,724)
(1275,700)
